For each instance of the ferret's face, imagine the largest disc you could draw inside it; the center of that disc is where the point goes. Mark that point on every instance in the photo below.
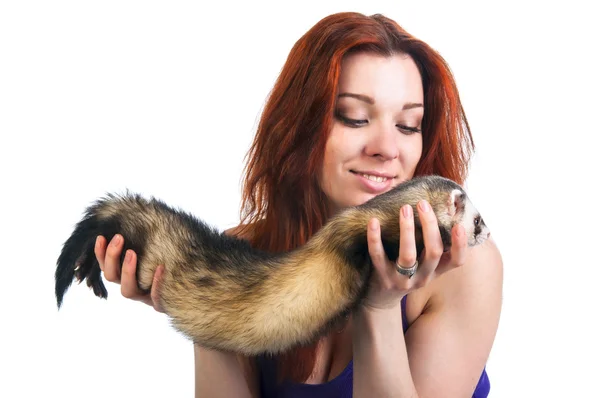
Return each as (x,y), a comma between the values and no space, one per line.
(475,228)
(375,142)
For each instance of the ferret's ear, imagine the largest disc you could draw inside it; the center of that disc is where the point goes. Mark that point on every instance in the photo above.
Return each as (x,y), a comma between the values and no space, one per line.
(456,202)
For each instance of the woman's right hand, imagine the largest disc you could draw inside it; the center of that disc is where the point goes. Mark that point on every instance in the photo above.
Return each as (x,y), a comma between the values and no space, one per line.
(108,257)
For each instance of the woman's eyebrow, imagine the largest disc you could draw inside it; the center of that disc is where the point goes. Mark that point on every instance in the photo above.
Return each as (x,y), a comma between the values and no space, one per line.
(371,101)
(361,97)
(412,105)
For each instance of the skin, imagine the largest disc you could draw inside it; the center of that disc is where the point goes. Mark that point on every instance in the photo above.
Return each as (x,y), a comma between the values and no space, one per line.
(458,292)
(373,133)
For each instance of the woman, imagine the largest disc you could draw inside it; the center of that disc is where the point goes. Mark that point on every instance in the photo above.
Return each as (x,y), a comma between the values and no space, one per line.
(359,107)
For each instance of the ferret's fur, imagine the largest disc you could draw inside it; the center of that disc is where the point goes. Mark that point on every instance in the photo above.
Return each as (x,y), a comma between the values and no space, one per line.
(223,294)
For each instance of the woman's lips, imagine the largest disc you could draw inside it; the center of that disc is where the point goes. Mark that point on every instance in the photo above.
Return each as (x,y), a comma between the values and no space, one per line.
(374,182)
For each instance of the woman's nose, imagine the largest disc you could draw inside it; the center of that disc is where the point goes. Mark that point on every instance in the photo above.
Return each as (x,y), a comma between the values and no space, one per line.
(383,142)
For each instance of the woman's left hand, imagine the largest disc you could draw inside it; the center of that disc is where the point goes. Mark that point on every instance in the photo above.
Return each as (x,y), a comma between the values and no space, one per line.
(387,285)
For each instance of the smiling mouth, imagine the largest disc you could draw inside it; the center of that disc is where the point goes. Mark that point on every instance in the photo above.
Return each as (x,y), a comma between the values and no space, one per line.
(371,176)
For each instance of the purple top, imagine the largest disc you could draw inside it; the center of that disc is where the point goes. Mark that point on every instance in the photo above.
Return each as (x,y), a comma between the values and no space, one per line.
(340,387)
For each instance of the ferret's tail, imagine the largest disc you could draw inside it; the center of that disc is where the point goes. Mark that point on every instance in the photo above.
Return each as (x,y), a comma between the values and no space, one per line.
(77,258)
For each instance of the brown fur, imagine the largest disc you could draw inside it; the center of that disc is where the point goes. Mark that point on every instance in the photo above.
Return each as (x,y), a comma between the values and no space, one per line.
(223,294)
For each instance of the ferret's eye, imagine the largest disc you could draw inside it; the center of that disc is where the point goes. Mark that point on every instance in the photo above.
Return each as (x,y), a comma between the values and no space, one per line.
(477,220)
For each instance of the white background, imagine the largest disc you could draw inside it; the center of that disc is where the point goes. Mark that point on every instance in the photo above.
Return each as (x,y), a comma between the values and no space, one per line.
(163,98)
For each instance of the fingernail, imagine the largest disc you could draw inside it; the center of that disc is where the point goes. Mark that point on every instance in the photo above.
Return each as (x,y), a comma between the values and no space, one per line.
(424,206)
(407,211)
(128,256)
(116,240)
(97,241)
(373,225)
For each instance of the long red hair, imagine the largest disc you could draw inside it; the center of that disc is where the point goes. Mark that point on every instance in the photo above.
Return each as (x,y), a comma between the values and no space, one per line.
(282,204)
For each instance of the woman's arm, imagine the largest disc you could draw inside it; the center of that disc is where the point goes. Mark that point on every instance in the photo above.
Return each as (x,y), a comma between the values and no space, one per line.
(449,344)
(381,367)
(221,374)
(217,374)
(445,349)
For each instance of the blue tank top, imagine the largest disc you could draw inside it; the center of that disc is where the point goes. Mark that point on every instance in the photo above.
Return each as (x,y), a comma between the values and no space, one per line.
(340,387)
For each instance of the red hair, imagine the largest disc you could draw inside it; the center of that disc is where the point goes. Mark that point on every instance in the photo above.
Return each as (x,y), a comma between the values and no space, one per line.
(282,203)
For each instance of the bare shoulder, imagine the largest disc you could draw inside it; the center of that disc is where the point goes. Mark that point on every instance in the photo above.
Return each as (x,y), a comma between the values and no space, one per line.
(247,364)
(240,231)
(233,231)
(455,321)
(470,296)
(480,278)
(477,283)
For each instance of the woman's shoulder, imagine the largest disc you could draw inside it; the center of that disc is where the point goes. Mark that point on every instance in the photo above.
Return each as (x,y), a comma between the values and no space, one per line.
(235,231)
(241,231)
(474,287)
(482,271)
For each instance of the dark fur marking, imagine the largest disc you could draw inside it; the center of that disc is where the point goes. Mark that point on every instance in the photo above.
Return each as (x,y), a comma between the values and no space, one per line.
(77,258)
(201,257)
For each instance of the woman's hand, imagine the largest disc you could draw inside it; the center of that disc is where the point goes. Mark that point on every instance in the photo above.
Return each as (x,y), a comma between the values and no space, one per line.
(387,285)
(108,257)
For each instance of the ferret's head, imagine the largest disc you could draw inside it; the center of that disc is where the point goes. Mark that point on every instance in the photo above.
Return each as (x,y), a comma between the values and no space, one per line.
(447,198)
(462,211)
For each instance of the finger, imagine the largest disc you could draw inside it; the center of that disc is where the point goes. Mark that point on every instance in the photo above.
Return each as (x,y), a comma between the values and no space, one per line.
(100,250)
(407,254)
(432,240)
(129,287)
(375,246)
(156,285)
(458,252)
(112,260)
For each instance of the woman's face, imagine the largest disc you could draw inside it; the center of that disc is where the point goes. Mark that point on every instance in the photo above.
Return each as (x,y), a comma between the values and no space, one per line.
(376,140)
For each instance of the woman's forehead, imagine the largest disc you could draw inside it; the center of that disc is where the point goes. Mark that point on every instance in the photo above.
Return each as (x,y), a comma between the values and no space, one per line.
(376,79)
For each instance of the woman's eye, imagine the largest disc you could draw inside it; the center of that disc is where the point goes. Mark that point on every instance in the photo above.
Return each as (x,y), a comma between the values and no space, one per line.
(408,130)
(351,122)
(361,122)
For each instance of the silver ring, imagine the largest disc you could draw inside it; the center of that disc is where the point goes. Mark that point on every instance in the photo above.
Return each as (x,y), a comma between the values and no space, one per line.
(407,271)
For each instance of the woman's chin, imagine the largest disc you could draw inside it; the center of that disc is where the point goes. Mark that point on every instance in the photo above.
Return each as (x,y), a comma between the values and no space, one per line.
(356,199)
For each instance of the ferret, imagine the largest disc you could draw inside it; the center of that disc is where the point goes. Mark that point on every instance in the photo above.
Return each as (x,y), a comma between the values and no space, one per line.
(224,294)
